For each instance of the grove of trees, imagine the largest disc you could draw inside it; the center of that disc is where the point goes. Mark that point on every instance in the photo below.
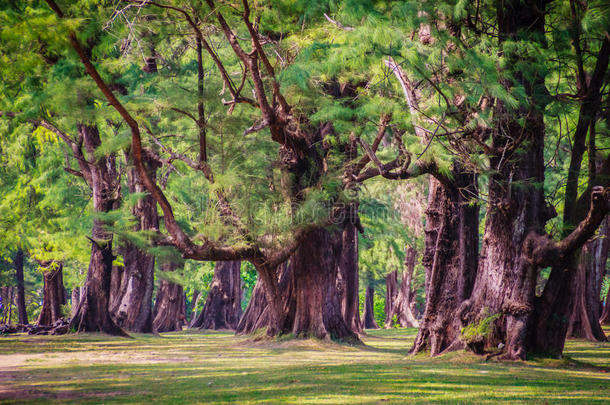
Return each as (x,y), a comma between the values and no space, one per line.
(313,168)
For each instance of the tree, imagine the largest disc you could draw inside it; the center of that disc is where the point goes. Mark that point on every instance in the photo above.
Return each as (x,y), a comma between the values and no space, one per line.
(368,321)
(132,304)
(399,301)
(169,312)
(21,308)
(53,295)
(222,308)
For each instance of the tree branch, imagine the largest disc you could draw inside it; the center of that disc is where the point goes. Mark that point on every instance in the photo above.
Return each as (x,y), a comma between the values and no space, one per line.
(208,251)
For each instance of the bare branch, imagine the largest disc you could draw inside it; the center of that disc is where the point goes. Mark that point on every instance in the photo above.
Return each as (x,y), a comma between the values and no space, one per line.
(338,24)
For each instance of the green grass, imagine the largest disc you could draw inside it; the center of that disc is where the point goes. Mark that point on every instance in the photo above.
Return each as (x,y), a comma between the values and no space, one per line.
(213,367)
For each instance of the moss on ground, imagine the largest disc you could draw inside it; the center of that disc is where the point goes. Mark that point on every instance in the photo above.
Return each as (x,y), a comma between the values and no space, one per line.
(217,367)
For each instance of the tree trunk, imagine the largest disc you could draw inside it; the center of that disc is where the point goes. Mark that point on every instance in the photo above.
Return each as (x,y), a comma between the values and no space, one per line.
(93,313)
(9,301)
(53,296)
(116,279)
(401,307)
(75,300)
(6,302)
(222,309)
(450,260)
(21,308)
(169,313)
(258,312)
(194,304)
(348,268)
(391,293)
(504,290)
(318,308)
(132,305)
(506,279)
(584,321)
(369,309)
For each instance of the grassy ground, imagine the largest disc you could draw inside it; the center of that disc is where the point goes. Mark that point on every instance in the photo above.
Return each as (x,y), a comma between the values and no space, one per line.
(215,367)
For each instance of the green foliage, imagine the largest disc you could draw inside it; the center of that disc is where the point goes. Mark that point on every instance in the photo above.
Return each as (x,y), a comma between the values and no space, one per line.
(478,331)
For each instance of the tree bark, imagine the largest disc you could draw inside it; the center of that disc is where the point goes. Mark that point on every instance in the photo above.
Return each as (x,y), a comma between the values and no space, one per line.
(53,296)
(194,304)
(222,309)
(391,293)
(450,260)
(169,313)
(506,278)
(584,322)
(93,314)
(318,308)
(132,304)
(21,308)
(75,300)
(403,299)
(258,312)
(369,309)
(348,269)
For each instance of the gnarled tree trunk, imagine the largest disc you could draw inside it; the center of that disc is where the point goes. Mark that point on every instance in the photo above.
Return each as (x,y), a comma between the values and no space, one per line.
(53,296)
(584,321)
(169,313)
(506,278)
(450,260)
(403,299)
(369,309)
(258,312)
(318,308)
(93,314)
(222,309)
(132,305)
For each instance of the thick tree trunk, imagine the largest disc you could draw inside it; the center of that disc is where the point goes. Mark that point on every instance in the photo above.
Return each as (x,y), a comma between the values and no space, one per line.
(506,278)
(402,305)
(260,314)
(318,308)
(584,321)
(21,308)
(348,268)
(222,309)
(132,305)
(450,260)
(169,313)
(116,279)
(74,301)
(53,296)
(309,299)
(93,313)
(369,309)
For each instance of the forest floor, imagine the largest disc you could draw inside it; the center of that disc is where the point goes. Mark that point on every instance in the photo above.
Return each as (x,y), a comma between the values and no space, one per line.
(218,367)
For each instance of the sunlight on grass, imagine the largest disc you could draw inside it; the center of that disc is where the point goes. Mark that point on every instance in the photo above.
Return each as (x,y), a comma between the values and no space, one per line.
(217,367)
